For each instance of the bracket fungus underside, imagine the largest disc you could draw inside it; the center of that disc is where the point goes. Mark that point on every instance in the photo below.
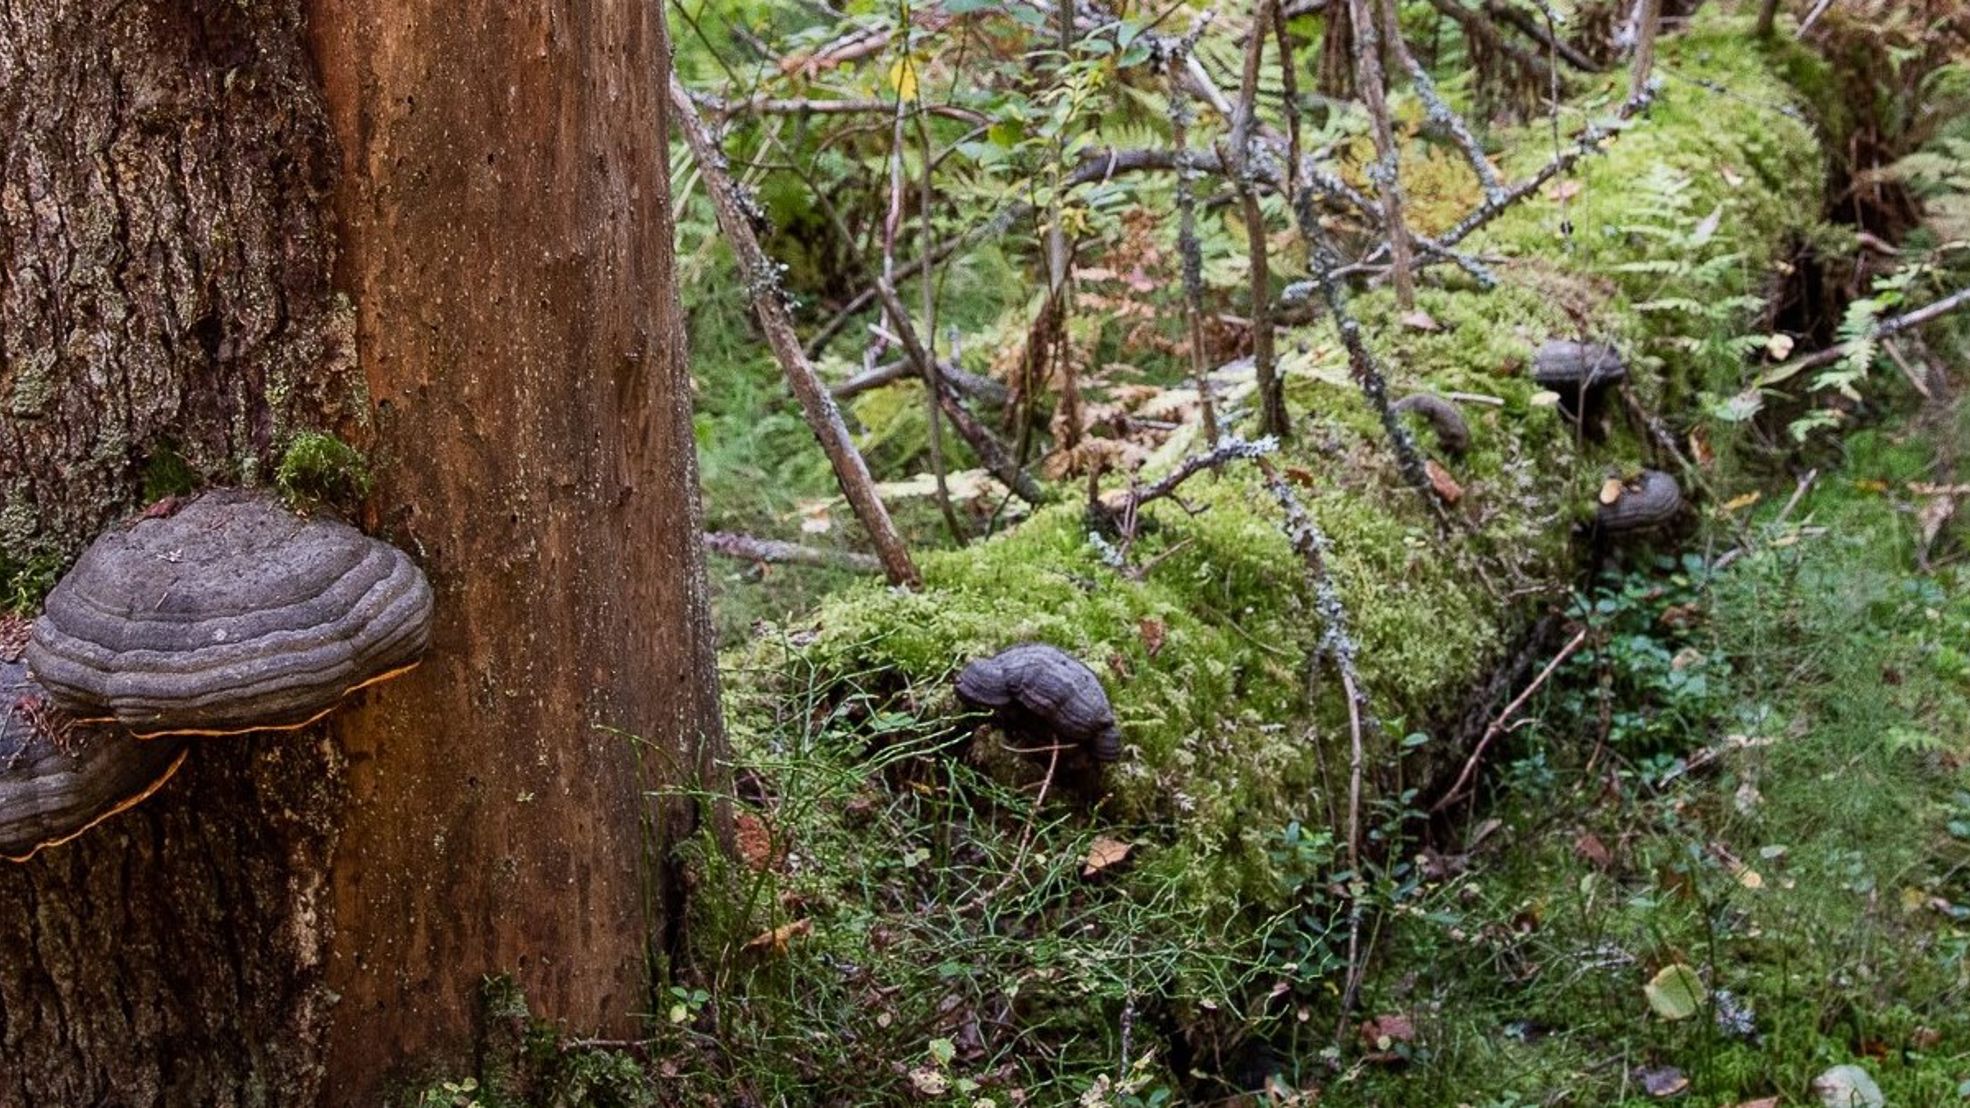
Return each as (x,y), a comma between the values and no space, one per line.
(59,778)
(1037,688)
(230,614)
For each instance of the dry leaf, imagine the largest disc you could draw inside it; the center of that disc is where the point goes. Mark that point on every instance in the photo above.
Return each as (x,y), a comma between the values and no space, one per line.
(1592,849)
(1779,347)
(1564,190)
(1611,490)
(1421,320)
(1734,179)
(1445,485)
(776,940)
(1383,1032)
(814,519)
(1700,448)
(1544,398)
(1300,475)
(1104,853)
(755,840)
(1739,503)
(1152,634)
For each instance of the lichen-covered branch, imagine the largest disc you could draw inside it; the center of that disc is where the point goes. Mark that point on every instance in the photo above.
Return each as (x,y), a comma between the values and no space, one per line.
(749,548)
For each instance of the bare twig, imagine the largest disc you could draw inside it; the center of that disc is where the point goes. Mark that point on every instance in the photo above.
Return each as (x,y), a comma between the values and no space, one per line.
(1893,325)
(1272,389)
(1338,647)
(1505,717)
(1384,172)
(751,549)
(988,449)
(1191,256)
(1439,113)
(763,285)
(1530,28)
(985,390)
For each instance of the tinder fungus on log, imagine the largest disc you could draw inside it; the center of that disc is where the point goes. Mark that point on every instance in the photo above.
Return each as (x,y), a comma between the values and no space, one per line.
(1035,688)
(1649,500)
(229,614)
(1579,372)
(58,779)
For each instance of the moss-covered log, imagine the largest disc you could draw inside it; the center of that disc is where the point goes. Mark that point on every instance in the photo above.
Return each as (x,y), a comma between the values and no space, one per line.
(1664,244)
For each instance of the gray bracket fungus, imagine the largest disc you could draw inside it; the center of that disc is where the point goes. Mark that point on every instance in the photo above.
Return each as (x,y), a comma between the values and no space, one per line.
(1648,501)
(1579,372)
(57,783)
(231,614)
(1034,687)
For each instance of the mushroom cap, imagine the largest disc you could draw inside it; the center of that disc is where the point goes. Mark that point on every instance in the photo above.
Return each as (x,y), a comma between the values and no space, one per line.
(1650,500)
(231,614)
(1565,366)
(1034,684)
(52,790)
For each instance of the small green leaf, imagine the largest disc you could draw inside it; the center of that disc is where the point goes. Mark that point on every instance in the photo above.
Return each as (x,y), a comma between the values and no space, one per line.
(942,1051)
(1676,993)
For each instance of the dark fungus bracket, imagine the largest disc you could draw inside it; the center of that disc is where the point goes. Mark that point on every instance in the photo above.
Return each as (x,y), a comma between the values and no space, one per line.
(59,778)
(1580,373)
(1033,688)
(1645,503)
(231,614)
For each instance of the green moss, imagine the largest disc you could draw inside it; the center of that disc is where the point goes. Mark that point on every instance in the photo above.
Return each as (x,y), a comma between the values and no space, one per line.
(318,467)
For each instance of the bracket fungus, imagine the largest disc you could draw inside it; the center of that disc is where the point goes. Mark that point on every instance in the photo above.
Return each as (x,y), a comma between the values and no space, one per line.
(1648,501)
(1579,372)
(230,614)
(1037,689)
(59,779)
(1453,434)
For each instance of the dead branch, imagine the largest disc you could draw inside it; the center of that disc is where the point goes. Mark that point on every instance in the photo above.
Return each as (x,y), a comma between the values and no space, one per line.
(1385,172)
(1436,111)
(768,302)
(1479,29)
(1272,389)
(1191,256)
(1505,717)
(983,389)
(747,548)
(804,105)
(990,453)
(1531,28)
(1893,325)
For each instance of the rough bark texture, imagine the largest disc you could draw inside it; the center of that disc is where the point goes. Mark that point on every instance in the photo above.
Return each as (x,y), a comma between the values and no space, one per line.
(164,291)
(505,219)
(164,263)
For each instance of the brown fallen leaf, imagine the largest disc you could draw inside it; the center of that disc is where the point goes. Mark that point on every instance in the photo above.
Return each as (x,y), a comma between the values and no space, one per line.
(1611,490)
(1445,485)
(775,941)
(1300,475)
(1385,1031)
(1739,503)
(1591,849)
(1564,190)
(1420,320)
(1104,853)
(755,841)
(1779,346)
(1700,450)
(1152,634)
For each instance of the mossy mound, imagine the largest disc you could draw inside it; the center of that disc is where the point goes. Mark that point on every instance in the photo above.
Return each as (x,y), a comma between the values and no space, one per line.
(1236,745)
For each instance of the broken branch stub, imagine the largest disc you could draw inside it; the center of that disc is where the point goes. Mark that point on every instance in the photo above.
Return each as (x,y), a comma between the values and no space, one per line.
(232,614)
(1036,688)
(58,778)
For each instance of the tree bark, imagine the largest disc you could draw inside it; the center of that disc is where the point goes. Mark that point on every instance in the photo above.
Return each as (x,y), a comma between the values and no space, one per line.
(296,919)
(505,214)
(165,297)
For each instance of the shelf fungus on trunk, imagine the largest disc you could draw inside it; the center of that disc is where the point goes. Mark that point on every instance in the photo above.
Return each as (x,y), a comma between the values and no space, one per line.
(230,614)
(59,778)
(1453,434)
(1038,691)
(1580,373)
(1644,503)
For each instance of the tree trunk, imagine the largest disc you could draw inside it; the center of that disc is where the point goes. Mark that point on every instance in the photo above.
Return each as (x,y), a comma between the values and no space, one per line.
(505,213)
(165,301)
(294,919)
